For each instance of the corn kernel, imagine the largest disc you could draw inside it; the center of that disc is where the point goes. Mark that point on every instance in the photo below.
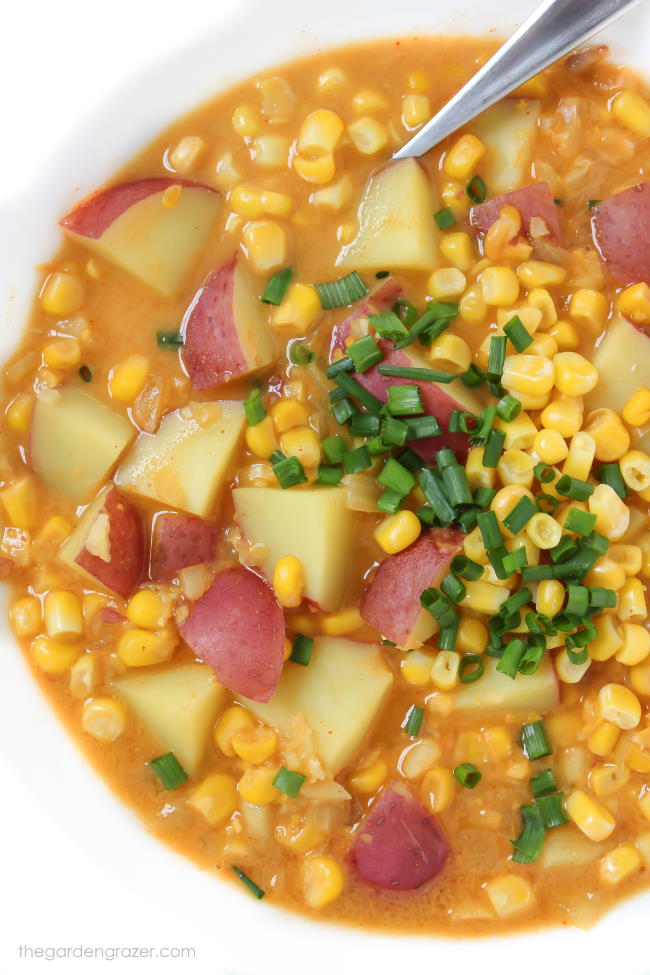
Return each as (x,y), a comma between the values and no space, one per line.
(272,152)
(640,678)
(246,201)
(605,780)
(63,615)
(368,778)
(542,300)
(644,804)
(635,468)
(565,335)
(612,514)
(634,303)
(256,786)
(520,432)
(499,743)
(104,718)
(636,644)
(463,157)
(345,621)
(416,110)
(226,173)
(456,248)
(617,704)
(438,787)
(215,798)
(303,443)
(636,411)
(569,672)
(254,745)
(564,414)
(83,676)
(450,353)
(171,196)
(52,656)
(446,283)
(186,155)
(477,474)
(289,581)
(299,309)
(574,375)
(607,574)
(510,894)
(25,616)
(19,413)
(619,864)
(147,609)
(141,648)
(611,437)
(62,354)
(632,111)
(129,378)
(543,530)
(539,274)
(276,204)
(515,467)
(331,79)
(535,87)
(322,880)
(483,597)
(590,309)
(265,245)
(320,133)
(19,501)
(629,557)
(417,81)
(261,438)
(444,673)
(543,344)
(499,286)
(472,307)
(62,294)
(416,668)
(603,739)
(528,375)
(550,446)
(335,196)
(368,100)
(245,121)
(550,597)
(368,135)
(590,816)
(472,635)
(398,531)
(234,720)
(631,603)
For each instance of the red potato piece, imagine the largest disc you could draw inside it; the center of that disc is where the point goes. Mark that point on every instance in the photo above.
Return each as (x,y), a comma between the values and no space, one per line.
(117,558)
(621,229)
(391,604)
(110,615)
(237,628)
(400,845)
(179,541)
(381,299)
(96,214)
(226,336)
(532,201)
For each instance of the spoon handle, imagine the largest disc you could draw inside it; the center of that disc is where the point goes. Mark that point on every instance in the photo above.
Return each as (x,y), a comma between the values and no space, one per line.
(552,30)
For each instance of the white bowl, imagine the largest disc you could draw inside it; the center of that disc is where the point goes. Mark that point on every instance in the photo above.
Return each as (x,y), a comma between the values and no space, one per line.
(250,937)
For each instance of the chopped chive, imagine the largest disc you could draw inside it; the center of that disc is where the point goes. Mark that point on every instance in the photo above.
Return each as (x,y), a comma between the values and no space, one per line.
(335,395)
(493,448)
(516,331)
(390,502)
(300,355)
(576,657)
(439,606)
(515,602)
(465,568)
(252,886)
(365,353)
(470,668)
(467,775)
(357,460)
(540,625)
(394,431)
(544,473)
(508,408)
(405,400)
(85,374)
(435,496)
(277,287)
(302,649)
(453,588)
(473,377)
(336,294)
(490,532)
(530,842)
(580,522)
(394,477)
(602,598)
(552,810)
(380,275)
(405,311)
(611,474)
(411,460)
(289,472)
(534,742)
(343,411)
(445,457)
(387,325)
(418,427)
(597,542)
(514,651)
(520,515)
(330,476)
(476,190)
(496,357)
(288,782)
(485,424)
(416,373)
(456,485)
(345,364)
(358,392)
(334,448)
(577,600)
(444,218)
(515,561)
(169,770)
(483,497)
(532,656)
(276,457)
(414,721)
(376,446)
(426,515)
(448,635)
(572,487)
(467,519)
(543,784)
(592,204)
(254,408)
(364,425)
(170,340)
(388,643)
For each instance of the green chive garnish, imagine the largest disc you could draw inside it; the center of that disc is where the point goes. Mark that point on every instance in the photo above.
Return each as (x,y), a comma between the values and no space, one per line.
(329,476)
(364,425)
(344,364)
(534,742)
(85,374)
(254,408)
(288,782)
(508,408)
(520,515)
(543,784)
(552,810)
(336,294)
(515,330)
(444,218)
(357,391)
(396,478)
(300,355)
(252,886)
(467,775)
(277,287)
(413,372)
(169,770)
(355,461)
(530,841)
(477,190)
(414,721)
(301,650)
(471,668)
(365,353)
(611,474)
(169,340)
(289,472)
(334,448)
(572,487)
(405,400)
(493,448)
(387,325)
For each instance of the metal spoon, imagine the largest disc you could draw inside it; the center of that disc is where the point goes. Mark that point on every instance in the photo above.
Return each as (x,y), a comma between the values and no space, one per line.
(551,31)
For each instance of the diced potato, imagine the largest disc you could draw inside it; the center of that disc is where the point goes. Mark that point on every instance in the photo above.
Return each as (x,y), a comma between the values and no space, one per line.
(498,692)
(339,695)
(568,847)
(179,708)
(313,524)
(76,441)
(623,363)
(187,461)
(508,131)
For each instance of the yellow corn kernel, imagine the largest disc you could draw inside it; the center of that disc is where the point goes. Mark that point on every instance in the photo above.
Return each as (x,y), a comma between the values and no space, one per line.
(52,656)
(567,671)
(565,334)
(499,742)
(472,635)
(141,648)
(83,676)
(550,446)
(531,375)
(539,274)
(444,673)
(474,548)
(612,514)
(335,196)
(261,438)
(289,581)
(104,718)
(226,173)
(611,437)
(416,668)
(417,81)
(631,603)
(254,745)
(520,432)
(543,344)
(510,894)
(603,739)
(63,615)
(62,354)
(574,375)
(19,413)
(345,621)
(629,557)
(619,864)
(368,135)
(507,498)
(636,411)
(246,201)
(483,597)
(472,307)
(635,468)
(147,609)
(272,152)
(245,121)
(19,501)
(617,704)
(634,303)
(591,817)
(398,531)
(564,728)
(516,467)
(62,294)
(477,474)
(438,787)
(299,309)
(633,112)
(640,678)
(564,414)
(368,100)
(450,353)
(644,805)
(186,155)
(331,79)
(276,204)
(256,786)
(457,249)
(171,196)
(550,597)
(544,530)
(416,110)
(499,287)
(589,308)
(320,133)
(322,881)
(368,778)
(542,300)
(463,157)
(531,550)
(636,643)
(234,720)
(580,457)
(446,283)
(605,780)
(303,443)
(129,378)
(215,798)
(607,574)
(25,616)
(265,245)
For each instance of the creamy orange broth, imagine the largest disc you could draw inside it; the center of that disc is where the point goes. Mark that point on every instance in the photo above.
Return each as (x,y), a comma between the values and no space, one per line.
(585,153)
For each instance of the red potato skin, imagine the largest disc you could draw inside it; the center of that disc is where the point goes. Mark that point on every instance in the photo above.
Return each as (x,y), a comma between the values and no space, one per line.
(179,541)
(621,230)
(237,628)
(532,201)
(126,568)
(400,845)
(381,299)
(392,601)
(95,214)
